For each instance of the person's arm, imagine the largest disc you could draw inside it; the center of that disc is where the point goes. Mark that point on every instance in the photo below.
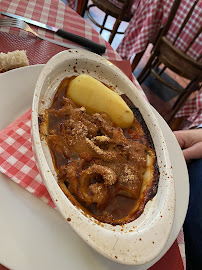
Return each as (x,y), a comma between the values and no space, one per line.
(191,143)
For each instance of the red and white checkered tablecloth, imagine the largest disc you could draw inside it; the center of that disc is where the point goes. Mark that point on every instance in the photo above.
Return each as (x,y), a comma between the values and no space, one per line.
(147,19)
(192,110)
(72,3)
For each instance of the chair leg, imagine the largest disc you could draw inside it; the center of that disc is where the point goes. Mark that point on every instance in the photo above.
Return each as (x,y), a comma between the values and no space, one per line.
(136,60)
(177,123)
(192,87)
(146,70)
(81,7)
(103,24)
(162,70)
(114,30)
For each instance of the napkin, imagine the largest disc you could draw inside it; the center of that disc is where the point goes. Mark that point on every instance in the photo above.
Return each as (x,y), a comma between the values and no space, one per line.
(17,160)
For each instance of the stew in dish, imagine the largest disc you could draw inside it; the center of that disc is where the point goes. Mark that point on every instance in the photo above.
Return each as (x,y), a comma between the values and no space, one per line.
(107,171)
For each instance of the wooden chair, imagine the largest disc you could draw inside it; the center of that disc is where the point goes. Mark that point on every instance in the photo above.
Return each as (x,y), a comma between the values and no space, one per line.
(120,13)
(164,52)
(81,7)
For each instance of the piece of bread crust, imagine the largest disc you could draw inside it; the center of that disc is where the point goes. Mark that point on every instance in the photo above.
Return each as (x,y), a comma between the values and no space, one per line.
(13,60)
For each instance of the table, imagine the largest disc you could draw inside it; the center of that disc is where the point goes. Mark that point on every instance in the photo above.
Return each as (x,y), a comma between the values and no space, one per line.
(57,14)
(54,13)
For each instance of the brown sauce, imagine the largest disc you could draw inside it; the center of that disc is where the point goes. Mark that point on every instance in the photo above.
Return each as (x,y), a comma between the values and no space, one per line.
(105,186)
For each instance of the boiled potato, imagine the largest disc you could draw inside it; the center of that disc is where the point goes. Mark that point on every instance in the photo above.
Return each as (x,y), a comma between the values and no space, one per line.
(96,97)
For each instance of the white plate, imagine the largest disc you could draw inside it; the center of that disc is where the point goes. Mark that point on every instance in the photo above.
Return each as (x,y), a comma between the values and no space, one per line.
(34,236)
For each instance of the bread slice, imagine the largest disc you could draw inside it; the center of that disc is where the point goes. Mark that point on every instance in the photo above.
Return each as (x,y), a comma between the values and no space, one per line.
(13,60)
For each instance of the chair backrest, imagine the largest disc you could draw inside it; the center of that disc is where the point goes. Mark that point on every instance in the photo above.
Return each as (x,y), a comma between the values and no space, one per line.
(127,4)
(119,9)
(115,8)
(181,63)
(122,4)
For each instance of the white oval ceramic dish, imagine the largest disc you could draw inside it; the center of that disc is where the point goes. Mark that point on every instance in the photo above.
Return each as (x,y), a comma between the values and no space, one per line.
(137,242)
